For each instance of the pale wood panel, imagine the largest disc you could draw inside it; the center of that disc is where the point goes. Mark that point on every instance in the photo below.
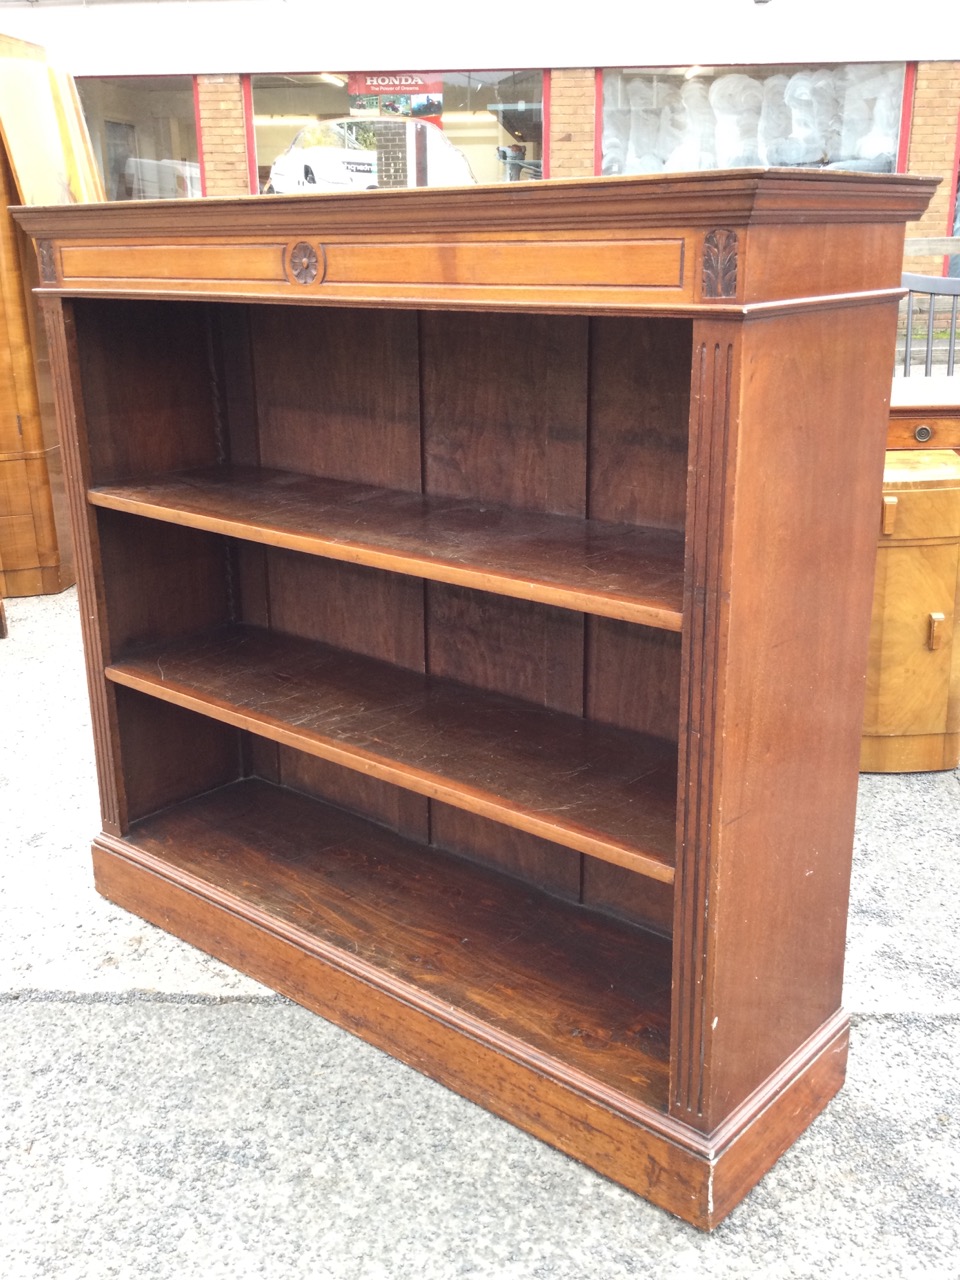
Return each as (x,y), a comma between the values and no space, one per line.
(130,262)
(911,687)
(34,539)
(645,263)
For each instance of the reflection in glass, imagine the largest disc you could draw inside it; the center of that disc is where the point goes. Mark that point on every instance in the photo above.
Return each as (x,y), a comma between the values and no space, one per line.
(144,136)
(687,118)
(492,119)
(364,153)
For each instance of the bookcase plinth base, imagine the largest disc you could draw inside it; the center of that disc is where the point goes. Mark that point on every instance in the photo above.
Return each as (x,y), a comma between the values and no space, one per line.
(699,1178)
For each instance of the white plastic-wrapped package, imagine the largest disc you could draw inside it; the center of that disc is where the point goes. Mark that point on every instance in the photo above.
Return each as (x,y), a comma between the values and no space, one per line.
(882,92)
(846,116)
(696,147)
(642,143)
(776,123)
(815,133)
(736,100)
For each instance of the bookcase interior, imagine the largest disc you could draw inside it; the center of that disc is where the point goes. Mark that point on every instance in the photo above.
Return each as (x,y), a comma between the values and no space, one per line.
(506,739)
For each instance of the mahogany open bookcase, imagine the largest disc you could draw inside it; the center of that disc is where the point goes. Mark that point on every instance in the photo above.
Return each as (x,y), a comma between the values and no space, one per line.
(476,587)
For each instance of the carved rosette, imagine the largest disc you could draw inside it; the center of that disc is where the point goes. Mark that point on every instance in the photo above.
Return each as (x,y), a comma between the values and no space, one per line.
(303,263)
(720,264)
(48,262)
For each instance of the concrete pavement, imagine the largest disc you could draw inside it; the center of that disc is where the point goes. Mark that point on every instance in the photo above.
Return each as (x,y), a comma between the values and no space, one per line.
(163,1116)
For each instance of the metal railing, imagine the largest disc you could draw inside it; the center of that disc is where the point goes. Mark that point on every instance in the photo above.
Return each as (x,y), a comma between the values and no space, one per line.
(930,324)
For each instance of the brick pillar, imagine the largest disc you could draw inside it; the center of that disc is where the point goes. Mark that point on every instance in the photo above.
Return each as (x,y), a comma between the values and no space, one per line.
(392,154)
(933,150)
(223,135)
(573,113)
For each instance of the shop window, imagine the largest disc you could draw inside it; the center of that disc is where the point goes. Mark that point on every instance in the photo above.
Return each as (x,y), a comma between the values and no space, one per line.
(682,118)
(331,131)
(144,135)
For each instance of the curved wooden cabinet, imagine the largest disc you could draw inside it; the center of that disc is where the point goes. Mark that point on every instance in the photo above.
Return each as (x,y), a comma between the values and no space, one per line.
(912,720)
(36,556)
(476,588)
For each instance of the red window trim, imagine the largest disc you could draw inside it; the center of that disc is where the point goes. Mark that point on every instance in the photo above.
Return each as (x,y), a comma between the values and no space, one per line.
(199,131)
(598,122)
(954,194)
(906,115)
(545,112)
(253,175)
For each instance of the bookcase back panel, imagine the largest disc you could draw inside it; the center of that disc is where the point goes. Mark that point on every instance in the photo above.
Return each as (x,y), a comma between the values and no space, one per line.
(365,610)
(633,677)
(231,345)
(338,393)
(402,811)
(535,861)
(511,646)
(505,409)
(147,388)
(620,892)
(639,418)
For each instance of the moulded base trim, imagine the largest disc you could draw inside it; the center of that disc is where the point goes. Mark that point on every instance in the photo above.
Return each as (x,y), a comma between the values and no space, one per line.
(697,1177)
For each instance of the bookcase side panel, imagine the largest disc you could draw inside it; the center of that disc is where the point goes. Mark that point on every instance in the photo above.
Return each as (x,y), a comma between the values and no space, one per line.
(775,753)
(714,396)
(60,326)
(160,581)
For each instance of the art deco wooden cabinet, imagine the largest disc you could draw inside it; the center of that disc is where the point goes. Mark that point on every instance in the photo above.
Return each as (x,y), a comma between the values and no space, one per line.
(912,720)
(476,588)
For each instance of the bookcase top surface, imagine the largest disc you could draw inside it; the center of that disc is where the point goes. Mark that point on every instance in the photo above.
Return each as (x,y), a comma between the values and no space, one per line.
(739,197)
(717,241)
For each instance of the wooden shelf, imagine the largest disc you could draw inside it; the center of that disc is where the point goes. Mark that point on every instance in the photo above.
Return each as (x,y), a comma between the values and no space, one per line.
(615,570)
(565,988)
(589,787)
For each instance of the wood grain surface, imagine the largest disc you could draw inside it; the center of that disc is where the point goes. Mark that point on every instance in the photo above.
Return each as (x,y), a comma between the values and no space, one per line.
(618,571)
(585,786)
(570,984)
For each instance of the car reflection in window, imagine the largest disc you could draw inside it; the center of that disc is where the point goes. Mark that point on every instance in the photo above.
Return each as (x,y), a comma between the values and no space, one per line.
(361,153)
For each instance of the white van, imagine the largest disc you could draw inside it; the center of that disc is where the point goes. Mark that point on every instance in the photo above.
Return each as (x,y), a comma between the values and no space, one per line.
(347,153)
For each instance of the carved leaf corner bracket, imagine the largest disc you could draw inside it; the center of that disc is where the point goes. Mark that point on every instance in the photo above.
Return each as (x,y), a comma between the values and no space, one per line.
(303,263)
(48,262)
(720,264)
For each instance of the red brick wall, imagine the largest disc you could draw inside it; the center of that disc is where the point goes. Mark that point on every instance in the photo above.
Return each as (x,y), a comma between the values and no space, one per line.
(573,108)
(933,149)
(223,135)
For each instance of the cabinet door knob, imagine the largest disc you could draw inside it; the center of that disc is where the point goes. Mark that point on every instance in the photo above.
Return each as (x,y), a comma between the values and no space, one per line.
(889,513)
(935,631)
